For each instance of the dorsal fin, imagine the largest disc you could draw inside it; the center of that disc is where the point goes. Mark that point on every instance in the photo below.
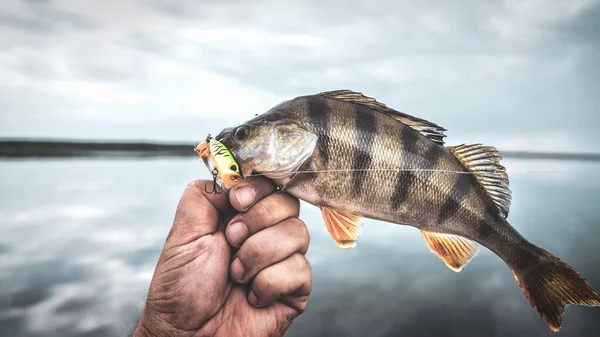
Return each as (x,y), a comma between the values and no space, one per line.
(434,132)
(484,161)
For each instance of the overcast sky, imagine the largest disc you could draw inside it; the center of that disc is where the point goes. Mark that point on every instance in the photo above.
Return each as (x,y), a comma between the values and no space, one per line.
(515,74)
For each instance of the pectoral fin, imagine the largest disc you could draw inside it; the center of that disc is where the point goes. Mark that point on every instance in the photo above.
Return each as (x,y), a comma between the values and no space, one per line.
(345,227)
(455,250)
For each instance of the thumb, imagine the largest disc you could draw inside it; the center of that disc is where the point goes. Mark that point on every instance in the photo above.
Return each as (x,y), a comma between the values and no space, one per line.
(190,278)
(197,213)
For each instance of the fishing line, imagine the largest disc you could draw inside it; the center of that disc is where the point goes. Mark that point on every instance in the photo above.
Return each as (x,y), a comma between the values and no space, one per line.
(399,170)
(364,170)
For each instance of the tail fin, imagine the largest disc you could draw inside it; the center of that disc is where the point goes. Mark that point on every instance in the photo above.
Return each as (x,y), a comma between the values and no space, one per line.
(551,285)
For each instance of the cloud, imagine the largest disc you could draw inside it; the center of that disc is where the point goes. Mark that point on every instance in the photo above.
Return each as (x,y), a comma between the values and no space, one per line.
(117,69)
(41,17)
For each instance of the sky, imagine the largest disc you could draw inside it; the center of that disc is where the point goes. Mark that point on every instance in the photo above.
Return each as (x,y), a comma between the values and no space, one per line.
(516,74)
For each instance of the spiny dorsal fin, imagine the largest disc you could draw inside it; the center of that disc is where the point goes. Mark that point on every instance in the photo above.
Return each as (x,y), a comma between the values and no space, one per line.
(345,227)
(484,161)
(430,130)
(455,250)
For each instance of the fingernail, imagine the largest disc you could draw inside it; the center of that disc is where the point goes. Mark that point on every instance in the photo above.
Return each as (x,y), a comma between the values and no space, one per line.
(237,270)
(237,233)
(245,196)
(252,299)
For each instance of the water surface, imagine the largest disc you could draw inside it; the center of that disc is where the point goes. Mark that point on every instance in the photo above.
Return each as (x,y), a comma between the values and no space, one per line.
(79,240)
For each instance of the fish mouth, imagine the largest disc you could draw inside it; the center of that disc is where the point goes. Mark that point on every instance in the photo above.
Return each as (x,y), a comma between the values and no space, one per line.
(279,172)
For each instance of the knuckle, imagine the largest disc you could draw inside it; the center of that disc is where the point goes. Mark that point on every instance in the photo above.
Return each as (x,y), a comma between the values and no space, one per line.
(268,282)
(300,303)
(263,284)
(302,228)
(192,184)
(300,261)
(292,201)
(254,217)
(305,267)
(287,202)
(301,233)
(262,185)
(265,182)
(252,253)
(262,209)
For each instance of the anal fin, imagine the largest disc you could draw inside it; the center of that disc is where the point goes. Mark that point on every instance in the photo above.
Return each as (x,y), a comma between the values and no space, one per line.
(345,227)
(454,250)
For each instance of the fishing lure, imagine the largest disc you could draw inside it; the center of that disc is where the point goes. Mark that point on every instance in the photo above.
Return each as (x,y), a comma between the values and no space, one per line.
(226,169)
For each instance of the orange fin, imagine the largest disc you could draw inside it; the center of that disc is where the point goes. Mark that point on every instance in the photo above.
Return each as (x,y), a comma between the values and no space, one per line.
(345,227)
(551,285)
(455,250)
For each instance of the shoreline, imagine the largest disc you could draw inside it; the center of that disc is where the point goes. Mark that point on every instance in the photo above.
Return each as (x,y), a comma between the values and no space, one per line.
(46,148)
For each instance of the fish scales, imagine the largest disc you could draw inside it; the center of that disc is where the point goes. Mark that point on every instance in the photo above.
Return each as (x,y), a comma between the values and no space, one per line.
(406,180)
(431,196)
(433,191)
(365,125)
(352,135)
(319,117)
(354,157)
(337,148)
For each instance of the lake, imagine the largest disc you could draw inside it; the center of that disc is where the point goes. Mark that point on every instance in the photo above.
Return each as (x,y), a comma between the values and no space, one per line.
(79,239)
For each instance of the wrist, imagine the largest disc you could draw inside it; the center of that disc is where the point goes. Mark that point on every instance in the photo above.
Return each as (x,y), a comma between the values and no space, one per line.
(141,330)
(150,326)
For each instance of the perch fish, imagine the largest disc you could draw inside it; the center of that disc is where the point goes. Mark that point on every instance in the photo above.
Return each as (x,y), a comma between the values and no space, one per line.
(354,158)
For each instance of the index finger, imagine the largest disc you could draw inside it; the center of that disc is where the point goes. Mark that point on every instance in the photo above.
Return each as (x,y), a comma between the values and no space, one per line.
(249,191)
(197,213)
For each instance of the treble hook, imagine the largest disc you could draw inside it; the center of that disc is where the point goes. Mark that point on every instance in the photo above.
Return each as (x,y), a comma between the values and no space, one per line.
(215,174)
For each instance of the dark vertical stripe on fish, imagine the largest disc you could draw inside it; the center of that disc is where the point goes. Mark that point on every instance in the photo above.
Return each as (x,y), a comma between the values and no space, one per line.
(405,179)
(319,115)
(432,160)
(408,140)
(452,205)
(366,127)
(491,216)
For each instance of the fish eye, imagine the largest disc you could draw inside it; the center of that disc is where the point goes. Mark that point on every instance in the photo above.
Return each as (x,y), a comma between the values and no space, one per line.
(233,168)
(241,133)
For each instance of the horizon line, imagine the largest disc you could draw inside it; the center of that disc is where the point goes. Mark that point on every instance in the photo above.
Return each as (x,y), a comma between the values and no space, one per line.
(20,147)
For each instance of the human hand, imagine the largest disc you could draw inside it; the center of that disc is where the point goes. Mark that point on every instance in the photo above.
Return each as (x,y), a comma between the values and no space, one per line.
(197,290)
